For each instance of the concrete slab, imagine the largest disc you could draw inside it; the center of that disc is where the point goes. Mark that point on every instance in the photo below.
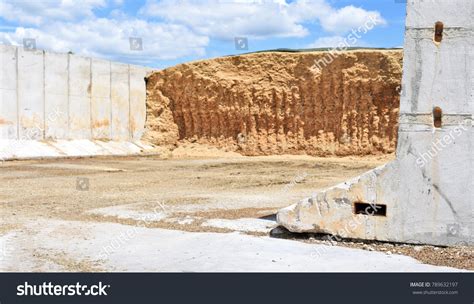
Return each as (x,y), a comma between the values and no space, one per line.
(56,88)
(426,195)
(137,106)
(115,247)
(120,93)
(31,94)
(242,224)
(79,98)
(31,149)
(8,93)
(101,106)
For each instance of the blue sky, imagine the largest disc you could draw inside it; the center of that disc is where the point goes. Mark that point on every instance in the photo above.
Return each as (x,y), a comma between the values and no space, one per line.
(177,31)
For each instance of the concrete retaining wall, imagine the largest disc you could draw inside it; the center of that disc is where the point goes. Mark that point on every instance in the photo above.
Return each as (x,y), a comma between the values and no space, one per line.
(426,195)
(51,96)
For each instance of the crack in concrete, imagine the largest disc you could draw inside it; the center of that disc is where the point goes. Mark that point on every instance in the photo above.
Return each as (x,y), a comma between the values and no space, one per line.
(446,199)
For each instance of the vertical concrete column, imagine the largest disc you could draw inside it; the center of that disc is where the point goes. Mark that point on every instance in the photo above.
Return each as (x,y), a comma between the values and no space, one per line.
(56,95)
(137,106)
(427,194)
(79,97)
(8,93)
(100,104)
(435,157)
(31,94)
(120,99)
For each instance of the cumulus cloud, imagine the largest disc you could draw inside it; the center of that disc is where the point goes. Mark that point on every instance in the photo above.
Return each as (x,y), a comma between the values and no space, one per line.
(77,29)
(323,42)
(348,18)
(41,12)
(169,29)
(110,38)
(337,41)
(226,19)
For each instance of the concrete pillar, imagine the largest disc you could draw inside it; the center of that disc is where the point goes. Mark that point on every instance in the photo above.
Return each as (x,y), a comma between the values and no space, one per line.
(120,93)
(137,106)
(30,84)
(101,103)
(80,87)
(8,93)
(427,194)
(56,95)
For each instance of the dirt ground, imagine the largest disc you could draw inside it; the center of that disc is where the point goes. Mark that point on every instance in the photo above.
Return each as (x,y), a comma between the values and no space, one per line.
(186,194)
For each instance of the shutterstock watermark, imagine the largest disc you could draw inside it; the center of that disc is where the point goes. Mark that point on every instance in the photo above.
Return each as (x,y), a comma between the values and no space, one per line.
(82,184)
(349,41)
(124,237)
(241,43)
(29,44)
(298,179)
(50,289)
(136,43)
(439,144)
(348,227)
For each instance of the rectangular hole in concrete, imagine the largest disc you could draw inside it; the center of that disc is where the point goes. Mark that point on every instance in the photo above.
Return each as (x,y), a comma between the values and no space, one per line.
(437,117)
(439,27)
(370,209)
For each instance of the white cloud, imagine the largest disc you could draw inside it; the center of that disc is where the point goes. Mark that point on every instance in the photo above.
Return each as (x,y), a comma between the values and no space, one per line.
(169,29)
(331,41)
(226,19)
(68,25)
(337,41)
(110,39)
(348,18)
(41,12)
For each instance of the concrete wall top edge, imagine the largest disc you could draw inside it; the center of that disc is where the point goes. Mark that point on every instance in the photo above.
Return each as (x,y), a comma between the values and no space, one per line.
(21,48)
(452,13)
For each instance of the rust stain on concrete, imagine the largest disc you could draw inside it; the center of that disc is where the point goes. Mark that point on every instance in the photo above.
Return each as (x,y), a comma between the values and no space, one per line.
(5,122)
(100,123)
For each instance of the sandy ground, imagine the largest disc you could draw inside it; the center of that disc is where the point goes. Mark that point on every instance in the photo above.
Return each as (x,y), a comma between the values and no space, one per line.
(155,214)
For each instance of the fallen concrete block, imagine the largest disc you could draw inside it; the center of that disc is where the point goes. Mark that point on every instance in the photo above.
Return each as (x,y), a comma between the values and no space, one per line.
(426,195)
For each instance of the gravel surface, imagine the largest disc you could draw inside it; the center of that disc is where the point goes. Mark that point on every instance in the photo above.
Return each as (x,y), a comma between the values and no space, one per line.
(458,257)
(178,194)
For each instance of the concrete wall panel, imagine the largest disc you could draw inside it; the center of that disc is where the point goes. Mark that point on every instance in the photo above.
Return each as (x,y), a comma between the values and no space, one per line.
(31,94)
(79,98)
(137,106)
(56,95)
(100,100)
(453,13)
(428,190)
(446,67)
(8,93)
(120,101)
